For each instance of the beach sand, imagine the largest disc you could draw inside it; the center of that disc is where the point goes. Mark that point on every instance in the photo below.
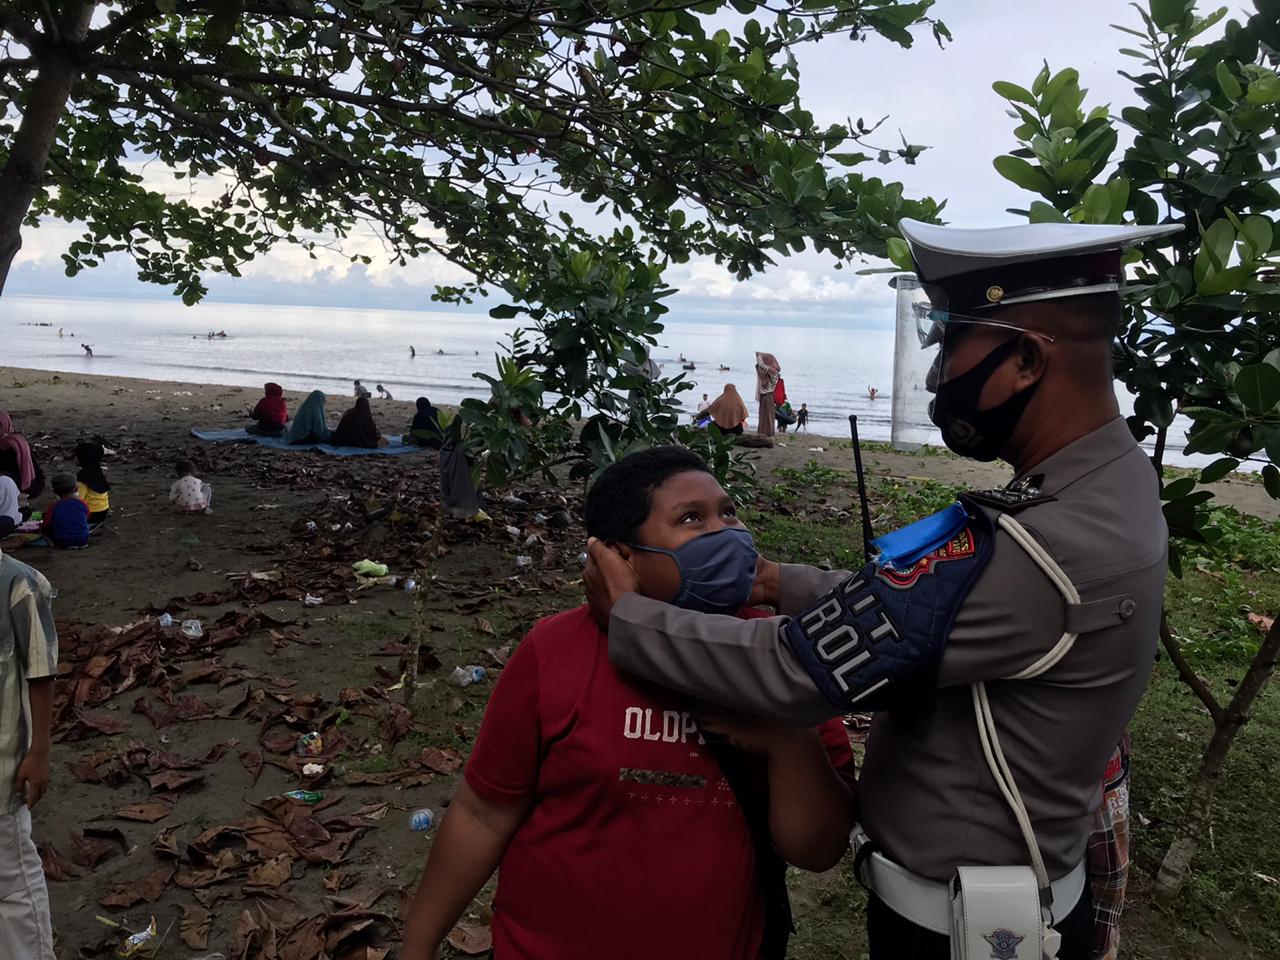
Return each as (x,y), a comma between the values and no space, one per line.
(201,732)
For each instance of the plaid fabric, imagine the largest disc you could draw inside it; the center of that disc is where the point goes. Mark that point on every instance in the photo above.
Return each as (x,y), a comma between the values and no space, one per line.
(1108,854)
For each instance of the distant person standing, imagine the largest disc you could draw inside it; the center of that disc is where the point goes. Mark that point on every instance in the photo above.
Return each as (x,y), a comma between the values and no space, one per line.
(871,392)
(360,390)
(768,373)
(412,352)
(802,418)
(88,350)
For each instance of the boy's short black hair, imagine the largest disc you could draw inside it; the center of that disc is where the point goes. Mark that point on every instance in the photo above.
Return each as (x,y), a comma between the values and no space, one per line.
(183,467)
(63,483)
(618,502)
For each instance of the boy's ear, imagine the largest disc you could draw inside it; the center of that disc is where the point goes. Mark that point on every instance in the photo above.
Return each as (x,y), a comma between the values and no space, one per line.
(621,549)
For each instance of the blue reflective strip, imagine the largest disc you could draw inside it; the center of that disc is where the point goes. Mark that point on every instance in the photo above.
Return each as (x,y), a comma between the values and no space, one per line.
(902,548)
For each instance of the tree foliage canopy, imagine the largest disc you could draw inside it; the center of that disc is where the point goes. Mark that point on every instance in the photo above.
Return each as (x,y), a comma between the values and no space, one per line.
(445,124)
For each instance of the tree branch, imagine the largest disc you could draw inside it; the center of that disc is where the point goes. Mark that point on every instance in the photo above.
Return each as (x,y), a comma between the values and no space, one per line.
(1189,676)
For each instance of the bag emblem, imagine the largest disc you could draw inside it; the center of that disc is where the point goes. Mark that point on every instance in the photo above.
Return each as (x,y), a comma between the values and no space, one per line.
(1004,944)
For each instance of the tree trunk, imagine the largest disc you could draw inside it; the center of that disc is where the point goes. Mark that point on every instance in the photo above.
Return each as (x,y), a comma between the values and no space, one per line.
(22,173)
(1173,869)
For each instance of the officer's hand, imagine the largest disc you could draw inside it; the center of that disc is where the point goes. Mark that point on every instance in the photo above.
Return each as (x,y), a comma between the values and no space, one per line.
(753,734)
(764,592)
(607,577)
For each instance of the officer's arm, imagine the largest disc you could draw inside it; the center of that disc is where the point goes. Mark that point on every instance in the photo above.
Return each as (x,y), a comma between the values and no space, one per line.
(800,584)
(742,664)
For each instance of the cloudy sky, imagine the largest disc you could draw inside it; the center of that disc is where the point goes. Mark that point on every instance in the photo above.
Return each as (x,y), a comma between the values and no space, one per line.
(941,98)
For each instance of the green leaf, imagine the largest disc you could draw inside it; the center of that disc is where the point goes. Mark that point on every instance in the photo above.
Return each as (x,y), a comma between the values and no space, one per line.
(1227,82)
(1042,78)
(900,254)
(1055,86)
(1178,489)
(1097,204)
(1168,13)
(1218,469)
(1011,91)
(1271,480)
(1154,407)
(1258,387)
(1264,90)
(1041,212)
(1257,233)
(1018,171)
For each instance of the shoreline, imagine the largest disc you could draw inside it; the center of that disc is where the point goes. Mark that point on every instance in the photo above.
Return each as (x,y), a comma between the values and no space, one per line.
(48,406)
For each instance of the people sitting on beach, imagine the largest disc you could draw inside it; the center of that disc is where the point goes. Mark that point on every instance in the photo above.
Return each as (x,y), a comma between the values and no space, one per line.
(384,394)
(702,407)
(357,428)
(271,413)
(425,430)
(88,350)
(18,460)
(785,416)
(190,494)
(92,486)
(10,512)
(727,411)
(66,521)
(308,424)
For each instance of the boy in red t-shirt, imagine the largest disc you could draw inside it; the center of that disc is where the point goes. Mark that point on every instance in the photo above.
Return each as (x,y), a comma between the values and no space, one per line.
(613,826)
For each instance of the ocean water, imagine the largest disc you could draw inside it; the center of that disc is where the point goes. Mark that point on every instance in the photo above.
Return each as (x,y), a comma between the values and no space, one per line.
(305,348)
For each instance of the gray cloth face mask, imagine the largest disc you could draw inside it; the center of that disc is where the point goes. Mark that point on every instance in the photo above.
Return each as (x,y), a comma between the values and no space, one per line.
(717,570)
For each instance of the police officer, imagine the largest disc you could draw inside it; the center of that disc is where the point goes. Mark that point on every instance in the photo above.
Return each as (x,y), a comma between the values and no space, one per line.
(1002,644)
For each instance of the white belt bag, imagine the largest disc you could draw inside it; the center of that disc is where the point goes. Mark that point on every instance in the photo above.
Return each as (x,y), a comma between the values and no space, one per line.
(1004,912)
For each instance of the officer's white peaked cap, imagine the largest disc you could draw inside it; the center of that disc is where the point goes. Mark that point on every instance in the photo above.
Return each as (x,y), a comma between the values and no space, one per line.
(996,266)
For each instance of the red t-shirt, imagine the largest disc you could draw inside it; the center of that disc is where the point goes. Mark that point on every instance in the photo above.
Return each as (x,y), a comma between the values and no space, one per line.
(635,846)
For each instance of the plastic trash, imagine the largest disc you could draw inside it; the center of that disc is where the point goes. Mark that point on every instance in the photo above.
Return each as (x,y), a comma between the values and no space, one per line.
(540,518)
(134,943)
(531,541)
(513,532)
(311,527)
(311,600)
(192,630)
(420,821)
(310,744)
(312,769)
(306,796)
(369,568)
(409,584)
(466,676)
(165,620)
(523,562)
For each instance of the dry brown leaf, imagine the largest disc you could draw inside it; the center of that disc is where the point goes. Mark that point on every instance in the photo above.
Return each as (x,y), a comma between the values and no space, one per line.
(173,780)
(441,761)
(147,812)
(471,939)
(149,888)
(396,723)
(1262,622)
(195,926)
(484,626)
(107,723)
(57,867)
(251,760)
(89,851)
(274,873)
(244,932)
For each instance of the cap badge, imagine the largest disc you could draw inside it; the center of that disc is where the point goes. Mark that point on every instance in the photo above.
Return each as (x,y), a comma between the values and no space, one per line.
(995,294)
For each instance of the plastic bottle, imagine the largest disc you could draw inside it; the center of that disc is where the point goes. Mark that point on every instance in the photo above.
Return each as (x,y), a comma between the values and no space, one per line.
(523,562)
(422,820)
(466,676)
(165,620)
(306,796)
(410,584)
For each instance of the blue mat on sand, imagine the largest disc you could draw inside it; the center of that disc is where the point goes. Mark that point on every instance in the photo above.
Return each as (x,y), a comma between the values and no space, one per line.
(238,435)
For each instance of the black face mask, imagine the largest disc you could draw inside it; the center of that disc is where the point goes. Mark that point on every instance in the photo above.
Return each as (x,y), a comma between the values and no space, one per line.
(968,431)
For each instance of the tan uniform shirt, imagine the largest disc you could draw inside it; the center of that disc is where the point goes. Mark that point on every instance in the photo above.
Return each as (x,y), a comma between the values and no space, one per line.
(28,651)
(925,793)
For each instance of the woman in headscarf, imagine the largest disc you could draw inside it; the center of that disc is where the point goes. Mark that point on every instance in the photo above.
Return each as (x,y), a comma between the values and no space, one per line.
(17,460)
(767,373)
(91,483)
(271,413)
(308,423)
(727,411)
(357,429)
(425,430)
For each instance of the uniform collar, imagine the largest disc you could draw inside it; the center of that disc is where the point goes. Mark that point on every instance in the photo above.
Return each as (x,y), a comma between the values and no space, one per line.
(1078,458)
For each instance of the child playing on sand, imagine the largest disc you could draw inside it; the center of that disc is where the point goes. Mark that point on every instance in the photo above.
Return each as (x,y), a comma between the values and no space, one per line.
(190,494)
(92,486)
(623,823)
(802,418)
(28,663)
(66,520)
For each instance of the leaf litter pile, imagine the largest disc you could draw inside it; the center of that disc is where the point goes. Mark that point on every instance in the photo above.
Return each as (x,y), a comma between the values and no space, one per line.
(183,744)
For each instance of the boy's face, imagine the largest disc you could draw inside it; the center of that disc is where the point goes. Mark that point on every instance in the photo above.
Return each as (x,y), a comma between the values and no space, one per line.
(688,505)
